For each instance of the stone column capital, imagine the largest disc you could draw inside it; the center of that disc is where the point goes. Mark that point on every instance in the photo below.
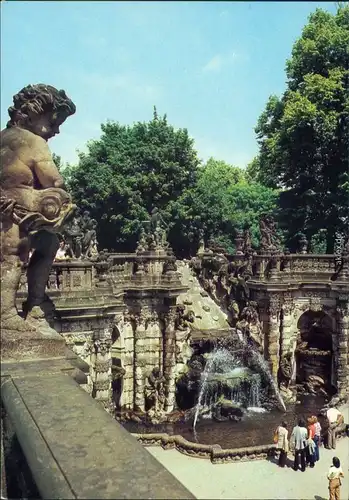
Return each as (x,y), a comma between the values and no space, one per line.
(102,346)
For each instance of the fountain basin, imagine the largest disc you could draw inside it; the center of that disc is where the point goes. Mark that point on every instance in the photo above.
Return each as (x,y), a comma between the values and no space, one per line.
(221,442)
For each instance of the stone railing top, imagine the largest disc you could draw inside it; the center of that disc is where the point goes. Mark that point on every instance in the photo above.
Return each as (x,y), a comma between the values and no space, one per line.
(281,255)
(74,448)
(67,264)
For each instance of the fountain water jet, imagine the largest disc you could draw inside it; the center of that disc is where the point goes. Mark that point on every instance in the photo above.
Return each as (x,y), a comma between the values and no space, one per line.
(223,366)
(261,362)
(225,377)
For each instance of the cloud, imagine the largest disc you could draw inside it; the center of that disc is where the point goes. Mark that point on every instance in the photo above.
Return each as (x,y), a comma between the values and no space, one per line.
(219,61)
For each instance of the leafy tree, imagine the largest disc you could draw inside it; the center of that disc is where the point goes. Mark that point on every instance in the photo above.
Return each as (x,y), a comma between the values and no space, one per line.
(304,135)
(127,172)
(222,201)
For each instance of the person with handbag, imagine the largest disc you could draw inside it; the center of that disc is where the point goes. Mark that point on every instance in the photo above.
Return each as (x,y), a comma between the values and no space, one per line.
(334,479)
(311,445)
(281,440)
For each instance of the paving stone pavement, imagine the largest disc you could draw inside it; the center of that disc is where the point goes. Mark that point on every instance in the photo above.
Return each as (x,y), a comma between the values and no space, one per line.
(261,479)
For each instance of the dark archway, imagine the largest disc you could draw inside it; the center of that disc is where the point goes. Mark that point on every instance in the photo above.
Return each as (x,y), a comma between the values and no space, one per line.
(314,353)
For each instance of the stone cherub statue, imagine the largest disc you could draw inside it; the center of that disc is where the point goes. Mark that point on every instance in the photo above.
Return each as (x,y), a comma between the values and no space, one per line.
(34,204)
(154,392)
(250,325)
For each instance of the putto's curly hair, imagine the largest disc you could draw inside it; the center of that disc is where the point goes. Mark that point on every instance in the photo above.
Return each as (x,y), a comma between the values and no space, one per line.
(39,99)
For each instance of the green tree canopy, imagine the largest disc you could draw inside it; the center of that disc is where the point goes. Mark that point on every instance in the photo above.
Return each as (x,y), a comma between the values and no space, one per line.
(222,201)
(304,135)
(129,171)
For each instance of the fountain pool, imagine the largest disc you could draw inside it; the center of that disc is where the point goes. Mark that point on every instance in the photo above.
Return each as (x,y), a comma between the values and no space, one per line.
(256,428)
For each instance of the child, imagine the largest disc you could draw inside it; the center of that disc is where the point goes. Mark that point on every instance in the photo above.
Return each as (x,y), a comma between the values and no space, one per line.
(333,476)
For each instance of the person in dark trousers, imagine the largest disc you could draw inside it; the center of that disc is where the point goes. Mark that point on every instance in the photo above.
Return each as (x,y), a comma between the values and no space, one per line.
(282,443)
(299,443)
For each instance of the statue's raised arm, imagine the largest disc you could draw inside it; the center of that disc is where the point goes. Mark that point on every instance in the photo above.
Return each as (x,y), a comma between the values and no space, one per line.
(34,205)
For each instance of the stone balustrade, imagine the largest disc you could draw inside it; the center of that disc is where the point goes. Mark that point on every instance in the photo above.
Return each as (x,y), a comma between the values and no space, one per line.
(288,267)
(58,442)
(125,270)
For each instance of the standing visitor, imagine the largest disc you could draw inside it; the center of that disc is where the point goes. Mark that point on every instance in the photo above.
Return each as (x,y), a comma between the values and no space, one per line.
(334,481)
(311,447)
(61,252)
(299,442)
(317,438)
(334,418)
(282,443)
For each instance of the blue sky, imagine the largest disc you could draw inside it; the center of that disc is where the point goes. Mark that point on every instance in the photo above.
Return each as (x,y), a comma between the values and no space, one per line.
(209,65)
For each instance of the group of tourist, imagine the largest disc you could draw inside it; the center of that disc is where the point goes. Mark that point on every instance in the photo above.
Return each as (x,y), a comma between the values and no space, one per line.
(305,441)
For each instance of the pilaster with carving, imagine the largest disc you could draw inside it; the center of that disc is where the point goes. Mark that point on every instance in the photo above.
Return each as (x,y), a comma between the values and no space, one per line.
(101,369)
(170,358)
(127,395)
(288,335)
(140,357)
(343,347)
(274,309)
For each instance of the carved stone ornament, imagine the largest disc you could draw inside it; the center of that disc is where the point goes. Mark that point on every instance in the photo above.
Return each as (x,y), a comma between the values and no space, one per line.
(274,304)
(343,308)
(102,366)
(315,304)
(288,303)
(102,346)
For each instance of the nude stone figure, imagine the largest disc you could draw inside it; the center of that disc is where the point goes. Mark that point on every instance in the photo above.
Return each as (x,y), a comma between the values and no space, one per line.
(34,204)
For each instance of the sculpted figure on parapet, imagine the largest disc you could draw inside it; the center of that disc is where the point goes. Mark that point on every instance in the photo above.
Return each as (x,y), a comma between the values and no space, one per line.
(81,237)
(34,203)
(153,234)
(268,234)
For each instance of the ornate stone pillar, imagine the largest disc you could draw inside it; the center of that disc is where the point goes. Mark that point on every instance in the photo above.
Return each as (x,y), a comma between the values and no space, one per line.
(140,358)
(101,366)
(287,338)
(170,358)
(155,342)
(273,348)
(343,348)
(127,395)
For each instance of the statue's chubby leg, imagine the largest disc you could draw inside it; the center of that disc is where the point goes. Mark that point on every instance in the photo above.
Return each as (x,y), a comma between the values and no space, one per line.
(45,246)
(12,249)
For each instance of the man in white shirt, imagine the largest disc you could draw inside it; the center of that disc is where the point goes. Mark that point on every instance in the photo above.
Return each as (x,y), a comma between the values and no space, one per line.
(298,442)
(334,418)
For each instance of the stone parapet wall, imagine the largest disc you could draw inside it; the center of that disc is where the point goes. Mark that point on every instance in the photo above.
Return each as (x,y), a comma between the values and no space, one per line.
(212,452)
(69,444)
